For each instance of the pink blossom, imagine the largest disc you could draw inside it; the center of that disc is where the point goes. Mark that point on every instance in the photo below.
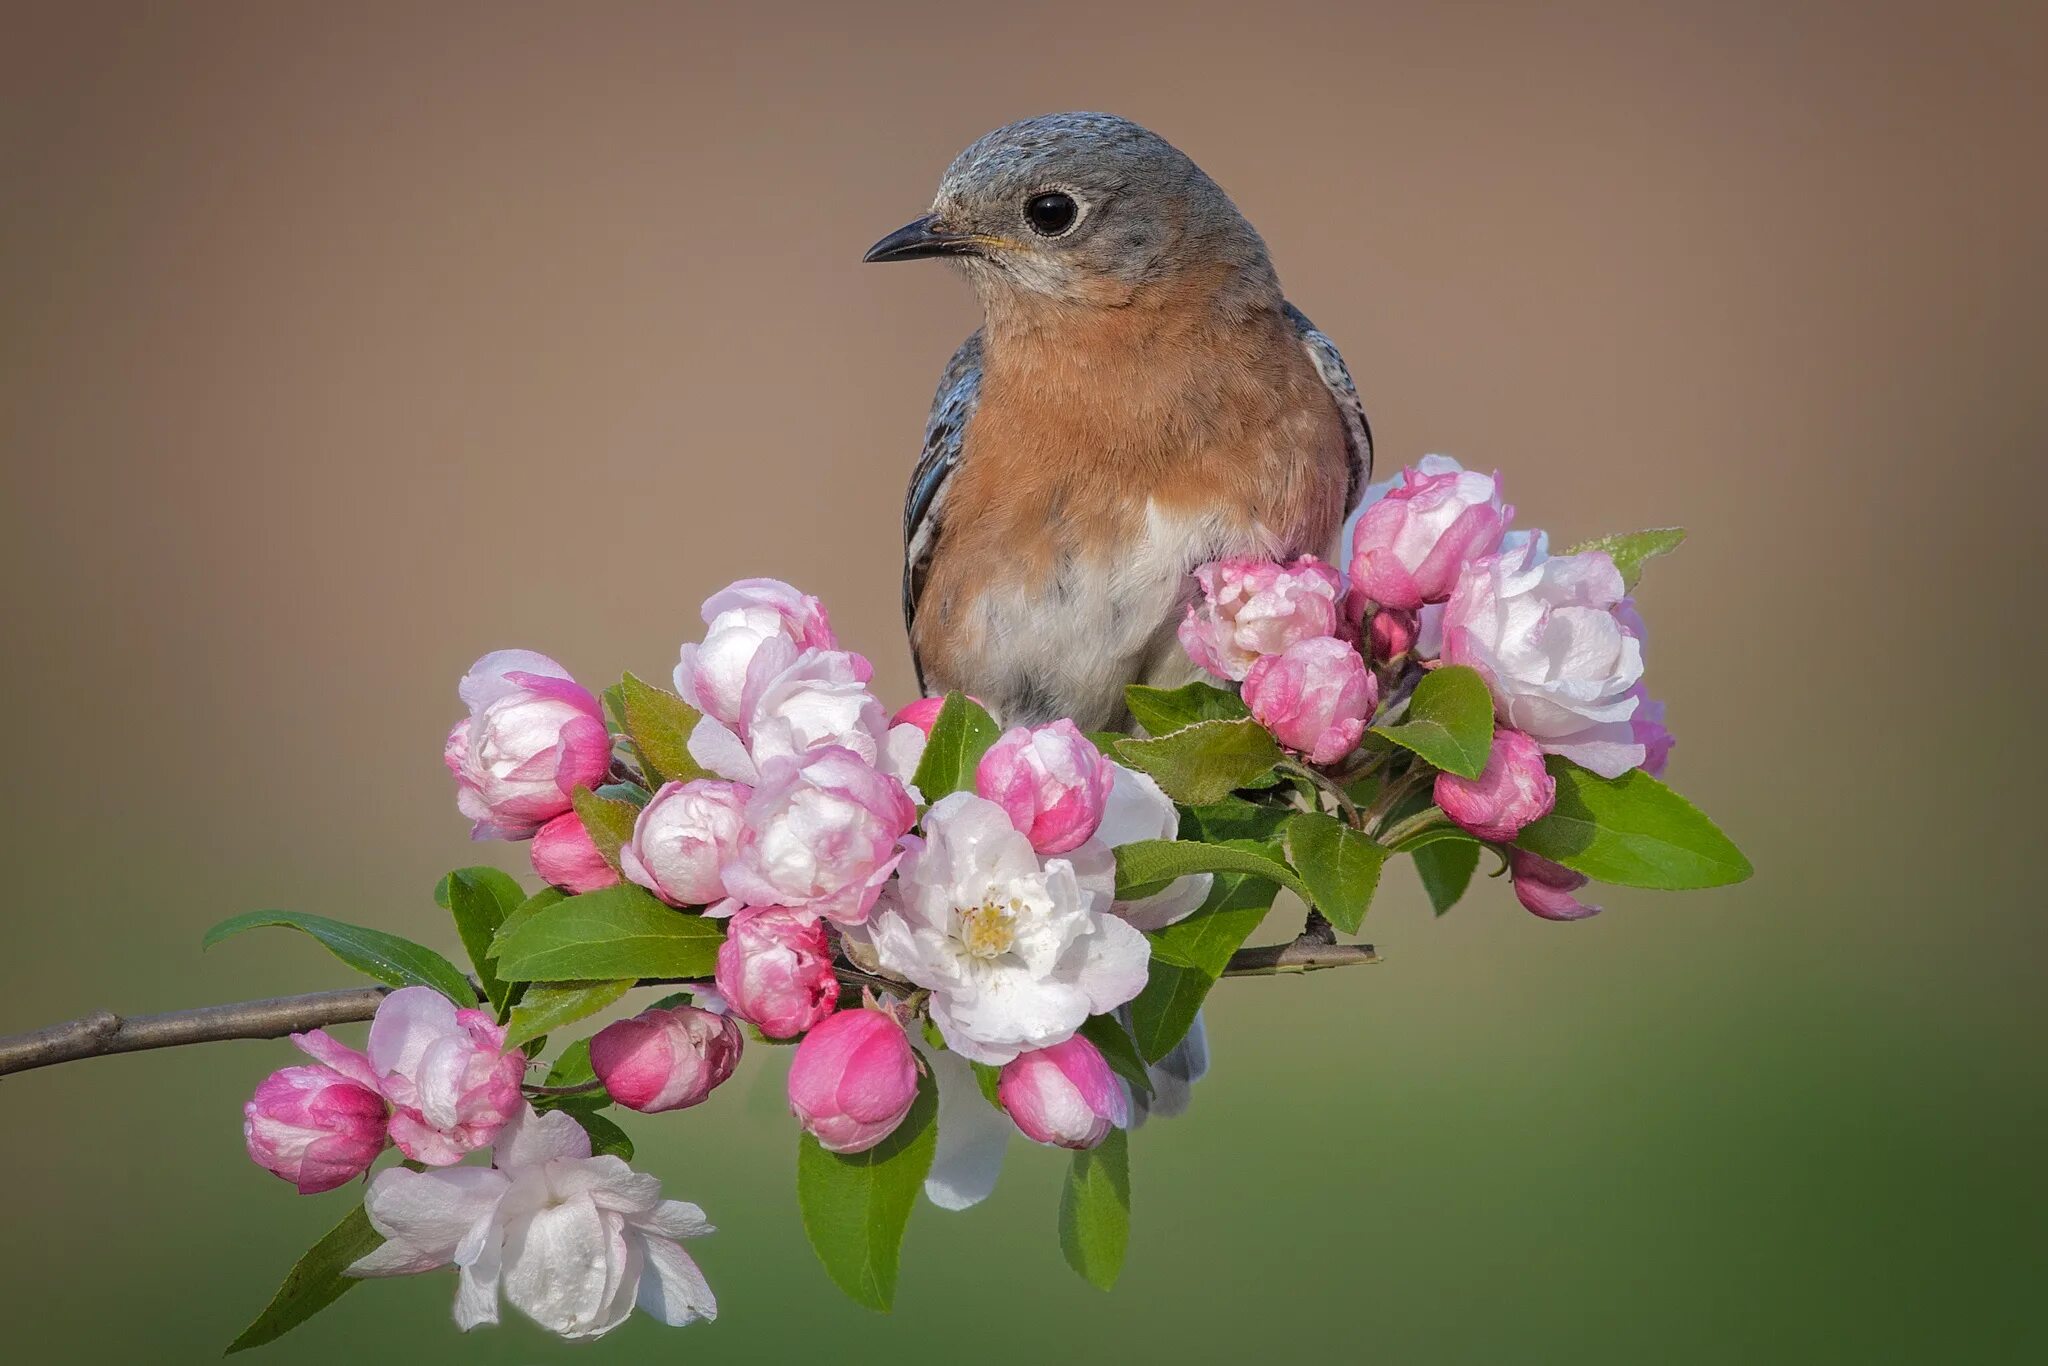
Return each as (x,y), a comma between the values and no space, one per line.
(923,713)
(314,1127)
(1560,659)
(1250,608)
(532,737)
(804,619)
(775,970)
(445,1072)
(852,1081)
(1547,889)
(683,838)
(665,1059)
(1647,725)
(567,857)
(1064,1095)
(1408,547)
(1315,697)
(1513,790)
(756,628)
(819,698)
(1391,634)
(821,836)
(1050,780)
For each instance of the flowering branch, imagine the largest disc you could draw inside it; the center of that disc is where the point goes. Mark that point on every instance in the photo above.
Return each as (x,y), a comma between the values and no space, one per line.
(103,1032)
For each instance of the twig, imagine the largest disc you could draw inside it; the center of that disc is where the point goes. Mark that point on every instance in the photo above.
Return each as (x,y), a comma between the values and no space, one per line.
(104,1032)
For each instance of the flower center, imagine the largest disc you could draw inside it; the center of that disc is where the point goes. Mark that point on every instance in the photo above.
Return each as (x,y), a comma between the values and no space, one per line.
(989,929)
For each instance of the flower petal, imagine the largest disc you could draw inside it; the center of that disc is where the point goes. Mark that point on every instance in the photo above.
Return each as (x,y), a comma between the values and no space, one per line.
(677,1292)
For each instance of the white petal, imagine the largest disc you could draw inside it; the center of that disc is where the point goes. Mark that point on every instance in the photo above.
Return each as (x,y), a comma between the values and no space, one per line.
(556,1266)
(425,1215)
(408,1021)
(533,1138)
(675,1219)
(719,748)
(973,1136)
(677,1292)
(1181,899)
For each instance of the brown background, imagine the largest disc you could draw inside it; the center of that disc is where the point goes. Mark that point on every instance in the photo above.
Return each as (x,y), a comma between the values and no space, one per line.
(339,344)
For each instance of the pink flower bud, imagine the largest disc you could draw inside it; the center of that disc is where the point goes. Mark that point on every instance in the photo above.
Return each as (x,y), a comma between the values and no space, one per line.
(566,856)
(443,1070)
(923,713)
(314,1127)
(532,737)
(1514,790)
(821,835)
(1064,1095)
(683,838)
(1391,634)
(1050,781)
(1409,546)
(665,1059)
(852,1080)
(1315,697)
(1546,889)
(804,619)
(1251,608)
(775,970)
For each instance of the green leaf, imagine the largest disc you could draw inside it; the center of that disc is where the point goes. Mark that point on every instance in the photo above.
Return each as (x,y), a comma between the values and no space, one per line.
(1113,1041)
(622,931)
(1164,1011)
(1340,865)
(479,899)
(386,957)
(1233,818)
(856,1205)
(961,734)
(1146,864)
(1238,903)
(606,1137)
(573,1067)
(1446,867)
(314,1282)
(1449,721)
(1633,831)
(526,910)
(609,822)
(1203,763)
(1095,1210)
(1106,741)
(545,1008)
(1630,549)
(659,724)
(988,1079)
(1164,710)
(615,706)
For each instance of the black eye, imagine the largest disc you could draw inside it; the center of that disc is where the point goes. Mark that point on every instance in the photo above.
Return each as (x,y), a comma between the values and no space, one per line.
(1050,214)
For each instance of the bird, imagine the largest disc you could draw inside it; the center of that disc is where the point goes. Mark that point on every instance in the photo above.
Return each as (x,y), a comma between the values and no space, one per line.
(1141,399)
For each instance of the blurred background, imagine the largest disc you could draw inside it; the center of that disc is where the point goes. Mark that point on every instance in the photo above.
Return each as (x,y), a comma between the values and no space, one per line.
(340,344)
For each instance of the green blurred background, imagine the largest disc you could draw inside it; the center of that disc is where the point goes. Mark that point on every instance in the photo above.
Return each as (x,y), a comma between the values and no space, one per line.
(339,344)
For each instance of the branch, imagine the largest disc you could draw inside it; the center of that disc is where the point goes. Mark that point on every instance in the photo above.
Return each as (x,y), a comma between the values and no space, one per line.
(104,1032)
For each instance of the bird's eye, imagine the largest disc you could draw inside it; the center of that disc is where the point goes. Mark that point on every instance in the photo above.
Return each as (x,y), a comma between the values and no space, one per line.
(1050,214)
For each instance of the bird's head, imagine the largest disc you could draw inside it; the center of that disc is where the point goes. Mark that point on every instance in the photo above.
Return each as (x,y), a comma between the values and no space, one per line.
(1077,209)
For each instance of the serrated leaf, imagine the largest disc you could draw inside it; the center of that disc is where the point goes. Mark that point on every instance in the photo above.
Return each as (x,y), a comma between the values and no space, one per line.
(1164,710)
(1114,1043)
(1203,763)
(1237,904)
(1149,864)
(1449,721)
(1095,1210)
(547,1007)
(961,733)
(1340,865)
(1446,867)
(659,724)
(608,821)
(1233,818)
(1164,1011)
(479,899)
(620,932)
(857,1205)
(525,911)
(606,1137)
(615,707)
(573,1067)
(1633,831)
(386,957)
(1631,549)
(314,1282)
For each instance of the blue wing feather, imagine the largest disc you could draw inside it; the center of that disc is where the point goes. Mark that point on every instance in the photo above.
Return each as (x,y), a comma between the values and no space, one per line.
(924,504)
(1336,376)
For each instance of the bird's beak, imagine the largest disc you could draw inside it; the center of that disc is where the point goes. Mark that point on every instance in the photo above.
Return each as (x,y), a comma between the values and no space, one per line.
(923,237)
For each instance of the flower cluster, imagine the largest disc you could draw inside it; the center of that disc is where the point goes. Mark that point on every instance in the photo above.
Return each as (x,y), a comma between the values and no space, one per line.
(967,932)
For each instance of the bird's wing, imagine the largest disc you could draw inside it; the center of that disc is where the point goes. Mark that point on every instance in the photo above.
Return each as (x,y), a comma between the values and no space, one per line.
(1323,354)
(924,505)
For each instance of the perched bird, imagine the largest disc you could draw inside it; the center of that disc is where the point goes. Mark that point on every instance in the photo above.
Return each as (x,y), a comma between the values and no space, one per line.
(1140,400)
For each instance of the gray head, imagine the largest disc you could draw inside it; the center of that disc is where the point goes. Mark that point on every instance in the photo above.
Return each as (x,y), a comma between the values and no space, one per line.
(1083,208)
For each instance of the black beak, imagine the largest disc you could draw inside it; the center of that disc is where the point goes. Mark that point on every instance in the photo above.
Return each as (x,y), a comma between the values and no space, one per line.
(917,240)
